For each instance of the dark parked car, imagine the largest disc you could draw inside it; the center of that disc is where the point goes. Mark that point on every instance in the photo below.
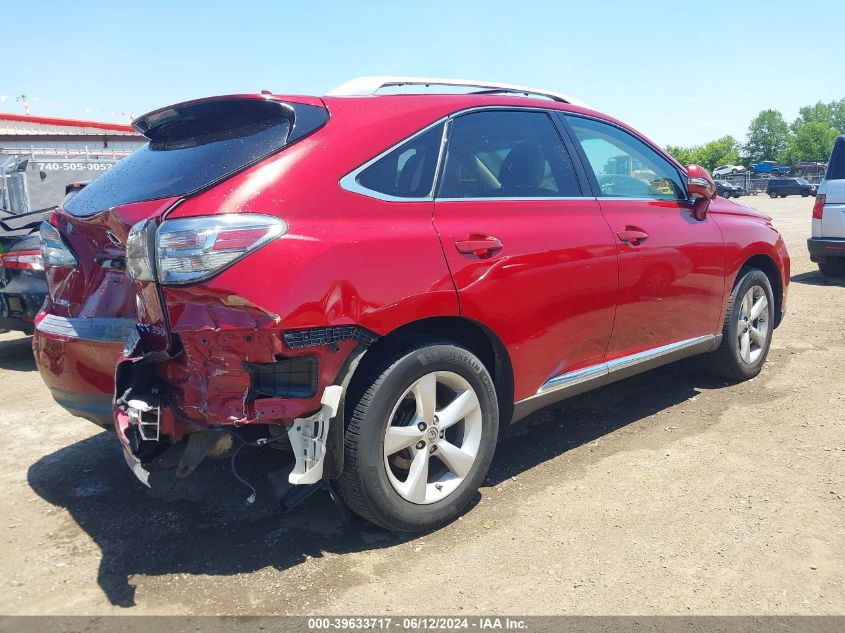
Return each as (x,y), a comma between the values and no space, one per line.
(23,285)
(790,187)
(728,190)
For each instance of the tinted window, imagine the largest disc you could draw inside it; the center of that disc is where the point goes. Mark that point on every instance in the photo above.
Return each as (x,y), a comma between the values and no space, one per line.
(624,165)
(408,170)
(836,166)
(192,147)
(506,154)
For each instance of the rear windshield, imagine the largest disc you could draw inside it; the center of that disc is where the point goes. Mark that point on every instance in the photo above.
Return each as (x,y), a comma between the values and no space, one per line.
(190,148)
(836,167)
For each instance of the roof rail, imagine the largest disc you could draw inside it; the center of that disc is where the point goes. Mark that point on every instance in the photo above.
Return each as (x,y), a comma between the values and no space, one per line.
(367,86)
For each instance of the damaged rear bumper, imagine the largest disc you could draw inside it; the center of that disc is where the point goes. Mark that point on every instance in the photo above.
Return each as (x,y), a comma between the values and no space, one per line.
(249,386)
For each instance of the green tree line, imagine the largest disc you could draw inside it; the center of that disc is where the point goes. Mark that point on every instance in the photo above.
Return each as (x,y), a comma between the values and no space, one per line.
(809,137)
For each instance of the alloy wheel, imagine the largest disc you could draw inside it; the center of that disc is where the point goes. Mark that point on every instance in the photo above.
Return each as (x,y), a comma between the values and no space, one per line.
(753,324)
(432,440)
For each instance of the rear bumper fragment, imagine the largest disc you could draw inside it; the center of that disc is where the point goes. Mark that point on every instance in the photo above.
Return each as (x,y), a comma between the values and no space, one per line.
(105,330)
(76,358)
(822,248)
(92,406)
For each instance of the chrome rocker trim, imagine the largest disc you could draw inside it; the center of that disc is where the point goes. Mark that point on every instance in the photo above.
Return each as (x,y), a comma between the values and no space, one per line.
(582,380)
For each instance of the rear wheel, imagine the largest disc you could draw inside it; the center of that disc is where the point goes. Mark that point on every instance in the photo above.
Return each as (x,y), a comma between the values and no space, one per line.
(748,327)
(420,438)
(832,268)
(805,193)
(773,194)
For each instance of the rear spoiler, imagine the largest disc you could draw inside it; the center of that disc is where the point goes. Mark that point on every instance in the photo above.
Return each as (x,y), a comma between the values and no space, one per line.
(230,115)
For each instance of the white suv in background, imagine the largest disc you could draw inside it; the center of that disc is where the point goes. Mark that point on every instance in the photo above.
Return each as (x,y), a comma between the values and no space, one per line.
(827,245)
(728,170)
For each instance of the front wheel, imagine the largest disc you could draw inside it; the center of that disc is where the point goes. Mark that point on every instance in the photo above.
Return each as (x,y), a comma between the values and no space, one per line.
(773,195)
(805,193)
(747,331)
(421,436)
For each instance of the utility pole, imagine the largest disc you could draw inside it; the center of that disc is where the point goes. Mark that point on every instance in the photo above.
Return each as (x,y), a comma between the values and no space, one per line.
(23,99)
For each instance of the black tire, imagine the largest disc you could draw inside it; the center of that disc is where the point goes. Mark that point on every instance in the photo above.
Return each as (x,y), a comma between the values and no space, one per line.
(805,193)
(726,362)
(364,483)
(832,268)
(734,171)
(773,194)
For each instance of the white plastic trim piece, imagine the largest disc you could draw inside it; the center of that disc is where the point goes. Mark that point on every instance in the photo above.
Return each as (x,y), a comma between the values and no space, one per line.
(368,86)
(308,439)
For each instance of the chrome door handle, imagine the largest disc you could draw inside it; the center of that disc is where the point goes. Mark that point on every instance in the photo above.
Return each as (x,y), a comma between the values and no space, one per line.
(632,236)
(480,247)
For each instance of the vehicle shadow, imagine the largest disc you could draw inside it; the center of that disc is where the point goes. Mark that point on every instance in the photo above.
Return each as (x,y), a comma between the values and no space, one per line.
(16,354)
(202,525)
(586,418)
(815,278)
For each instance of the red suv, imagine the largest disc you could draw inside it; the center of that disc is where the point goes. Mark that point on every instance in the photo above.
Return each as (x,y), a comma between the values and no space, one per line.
(381,281)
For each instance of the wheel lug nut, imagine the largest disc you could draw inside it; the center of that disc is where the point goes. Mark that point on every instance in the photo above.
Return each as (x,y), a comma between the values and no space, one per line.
(432,449)
(436,420)
(442,434)
(421,426)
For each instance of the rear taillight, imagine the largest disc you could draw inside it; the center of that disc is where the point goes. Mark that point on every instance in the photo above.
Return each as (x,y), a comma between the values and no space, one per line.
(187,250)
(818,208)
(23,260)
(54,251)
(139,244)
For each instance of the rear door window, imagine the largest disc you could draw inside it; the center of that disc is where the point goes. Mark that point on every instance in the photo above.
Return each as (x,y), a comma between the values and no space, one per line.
(507,154)
(194,146)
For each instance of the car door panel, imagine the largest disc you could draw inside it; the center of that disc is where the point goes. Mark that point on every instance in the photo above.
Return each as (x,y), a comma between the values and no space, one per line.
(671,277)
(530,253)
(549,294)
(671,283)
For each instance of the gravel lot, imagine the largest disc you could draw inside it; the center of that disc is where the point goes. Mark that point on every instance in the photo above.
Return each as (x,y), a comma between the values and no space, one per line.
(669,493)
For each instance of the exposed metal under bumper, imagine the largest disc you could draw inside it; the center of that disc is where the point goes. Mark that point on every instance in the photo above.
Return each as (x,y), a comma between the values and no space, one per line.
(579,381)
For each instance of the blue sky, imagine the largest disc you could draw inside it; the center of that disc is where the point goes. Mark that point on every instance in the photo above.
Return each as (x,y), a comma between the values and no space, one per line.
(680,75)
